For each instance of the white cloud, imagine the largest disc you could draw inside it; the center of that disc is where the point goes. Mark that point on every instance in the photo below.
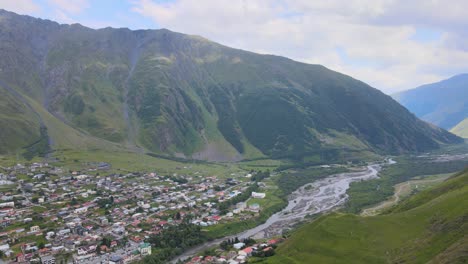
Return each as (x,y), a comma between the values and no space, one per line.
(377,36)
(20,6)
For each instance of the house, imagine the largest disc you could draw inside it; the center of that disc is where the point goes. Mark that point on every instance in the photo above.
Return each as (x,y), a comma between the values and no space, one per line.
(113,244)
(80,230)
(238,245)
(267,249)
(216,218)
(64,232)
(145,249)
(104,248)
(81,210)
(35,229)
(20,258)
(6,249)
(115,259)
(254,207)
(104,221)
(82,251)
(246,252)
(81,177)
(258,195)
(272,241)
(5,222)
(48,259)
(104,166)
(241,205)
(70,244)
(7,204)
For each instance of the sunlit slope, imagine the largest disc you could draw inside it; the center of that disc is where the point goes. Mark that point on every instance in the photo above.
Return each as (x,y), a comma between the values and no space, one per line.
(431,226)
(461,129)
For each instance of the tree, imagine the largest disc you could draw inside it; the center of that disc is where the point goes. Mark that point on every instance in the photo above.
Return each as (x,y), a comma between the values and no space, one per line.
(41,245)
(106,241)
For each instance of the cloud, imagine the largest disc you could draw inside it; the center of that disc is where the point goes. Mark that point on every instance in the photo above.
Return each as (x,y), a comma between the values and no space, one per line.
(372,40)
(71,7)
(20,6)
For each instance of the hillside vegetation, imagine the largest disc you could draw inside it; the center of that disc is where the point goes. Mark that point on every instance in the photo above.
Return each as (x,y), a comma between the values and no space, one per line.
(429,227)
(165,92)
(461,129)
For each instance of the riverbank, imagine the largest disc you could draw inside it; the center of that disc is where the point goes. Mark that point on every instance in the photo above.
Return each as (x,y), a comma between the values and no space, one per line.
(311,199)
(403,190)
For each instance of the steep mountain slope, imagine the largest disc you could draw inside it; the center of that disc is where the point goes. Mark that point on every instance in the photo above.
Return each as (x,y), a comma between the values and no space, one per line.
(18,122)
(461,129)
(430,227)
(444,103)
(172,93)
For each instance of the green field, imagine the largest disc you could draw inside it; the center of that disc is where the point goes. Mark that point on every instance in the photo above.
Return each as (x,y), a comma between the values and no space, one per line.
(368,193)
(430,226)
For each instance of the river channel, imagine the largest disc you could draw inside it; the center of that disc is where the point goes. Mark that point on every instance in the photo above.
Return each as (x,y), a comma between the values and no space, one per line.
(317,197)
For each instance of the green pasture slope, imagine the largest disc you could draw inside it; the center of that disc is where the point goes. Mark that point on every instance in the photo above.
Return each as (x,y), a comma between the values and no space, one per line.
(429,227)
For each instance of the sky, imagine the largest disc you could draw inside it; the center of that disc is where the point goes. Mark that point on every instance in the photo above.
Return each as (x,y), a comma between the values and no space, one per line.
(392,45)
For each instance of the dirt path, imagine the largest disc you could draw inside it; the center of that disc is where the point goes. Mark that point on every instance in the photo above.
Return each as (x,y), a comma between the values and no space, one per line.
(401,190)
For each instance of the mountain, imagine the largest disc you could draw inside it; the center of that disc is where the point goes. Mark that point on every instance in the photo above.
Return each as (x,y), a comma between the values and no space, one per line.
(444,103)
(429,227)
(461,129)
(166,92)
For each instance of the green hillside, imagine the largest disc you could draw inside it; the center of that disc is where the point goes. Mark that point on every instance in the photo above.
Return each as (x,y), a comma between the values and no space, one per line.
(170,93)
(429,227)
(20,126)
(461,129)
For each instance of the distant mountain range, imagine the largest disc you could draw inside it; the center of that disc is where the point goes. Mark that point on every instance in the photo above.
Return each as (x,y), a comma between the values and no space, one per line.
(444,103)
(68,86)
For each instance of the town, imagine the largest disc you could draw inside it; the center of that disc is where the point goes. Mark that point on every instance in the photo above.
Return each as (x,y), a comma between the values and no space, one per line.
(95,215)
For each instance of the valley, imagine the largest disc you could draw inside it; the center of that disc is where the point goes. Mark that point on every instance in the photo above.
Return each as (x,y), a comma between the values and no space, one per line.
(405,189)
(123,145)
(318,197)
(149,193)
(429,227)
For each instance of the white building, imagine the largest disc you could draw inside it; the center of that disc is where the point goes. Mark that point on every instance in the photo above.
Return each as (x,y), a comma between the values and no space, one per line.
(81,210)
(258,195)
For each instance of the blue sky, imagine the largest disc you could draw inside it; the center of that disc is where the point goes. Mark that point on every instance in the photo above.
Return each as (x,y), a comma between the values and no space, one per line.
(391,44)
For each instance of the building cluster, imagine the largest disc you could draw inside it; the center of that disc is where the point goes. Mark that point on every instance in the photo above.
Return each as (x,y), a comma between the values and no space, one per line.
(238,253)
(49,214)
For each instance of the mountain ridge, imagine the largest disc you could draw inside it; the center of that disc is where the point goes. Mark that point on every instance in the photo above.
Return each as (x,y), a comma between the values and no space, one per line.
(442,103)
(166,92)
